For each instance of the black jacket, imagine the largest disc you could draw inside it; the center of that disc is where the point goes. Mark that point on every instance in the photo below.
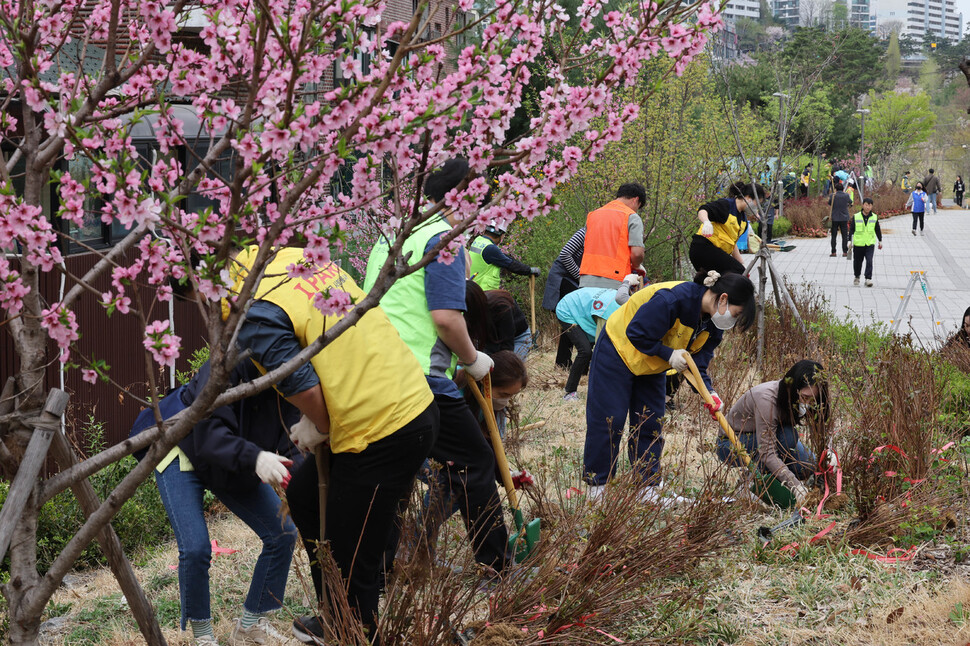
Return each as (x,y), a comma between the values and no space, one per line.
(223,447)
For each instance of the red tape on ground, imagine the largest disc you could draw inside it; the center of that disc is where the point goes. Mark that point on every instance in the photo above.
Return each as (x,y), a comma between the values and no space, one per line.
(906,555)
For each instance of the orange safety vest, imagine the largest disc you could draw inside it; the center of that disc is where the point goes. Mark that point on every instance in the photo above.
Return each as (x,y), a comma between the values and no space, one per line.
(607,248)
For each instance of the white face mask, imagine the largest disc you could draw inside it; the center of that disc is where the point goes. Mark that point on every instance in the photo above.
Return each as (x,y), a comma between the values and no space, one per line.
(723,321)
(802,410)
(500,403)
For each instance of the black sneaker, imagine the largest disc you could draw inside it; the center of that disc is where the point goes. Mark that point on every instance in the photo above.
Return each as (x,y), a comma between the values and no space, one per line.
(308,630)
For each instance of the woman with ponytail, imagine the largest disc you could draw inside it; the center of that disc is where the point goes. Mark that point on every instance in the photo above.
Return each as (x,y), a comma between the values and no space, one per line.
(654,331)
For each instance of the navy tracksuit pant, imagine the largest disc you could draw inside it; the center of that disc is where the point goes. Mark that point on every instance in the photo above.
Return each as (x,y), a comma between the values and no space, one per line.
(614,393)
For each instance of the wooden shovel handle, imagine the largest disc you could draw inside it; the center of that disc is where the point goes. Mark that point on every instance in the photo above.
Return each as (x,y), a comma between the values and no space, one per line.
(503,463)
(693,376)
(532,302)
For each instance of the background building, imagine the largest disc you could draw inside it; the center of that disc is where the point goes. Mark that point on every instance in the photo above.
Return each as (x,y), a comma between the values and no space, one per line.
(924,20)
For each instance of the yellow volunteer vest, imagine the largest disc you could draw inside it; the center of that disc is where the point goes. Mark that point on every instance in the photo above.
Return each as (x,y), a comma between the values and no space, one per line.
(726,235)
(372,383)
(678,337)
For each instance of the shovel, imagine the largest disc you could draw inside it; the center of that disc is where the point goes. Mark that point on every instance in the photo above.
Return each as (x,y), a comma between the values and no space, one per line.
(532,307)
(526,536)
(766,486)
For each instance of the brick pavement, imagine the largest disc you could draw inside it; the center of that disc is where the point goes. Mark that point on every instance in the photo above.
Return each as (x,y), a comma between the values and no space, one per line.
(944,253)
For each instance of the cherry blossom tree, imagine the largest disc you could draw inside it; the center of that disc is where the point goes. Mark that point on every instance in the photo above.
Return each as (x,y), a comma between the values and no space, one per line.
(284,95)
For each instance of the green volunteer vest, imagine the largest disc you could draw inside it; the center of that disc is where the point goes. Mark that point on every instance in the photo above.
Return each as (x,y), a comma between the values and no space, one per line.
(865,234)
(405,303)
(487,276)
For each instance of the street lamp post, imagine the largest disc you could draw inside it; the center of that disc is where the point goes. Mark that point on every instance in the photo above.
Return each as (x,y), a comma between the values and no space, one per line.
(781,145)
(862,153)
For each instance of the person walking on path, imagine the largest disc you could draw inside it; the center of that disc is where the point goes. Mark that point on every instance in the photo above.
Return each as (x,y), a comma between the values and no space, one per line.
(564,278)
(840,201)
(654,331)
(931,184)
(488,259)
(715,245)
(917,204)
(958,190)
(614,239)
(865,231)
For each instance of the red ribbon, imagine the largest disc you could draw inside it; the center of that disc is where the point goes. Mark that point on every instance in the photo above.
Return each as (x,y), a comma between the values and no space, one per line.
(906,555)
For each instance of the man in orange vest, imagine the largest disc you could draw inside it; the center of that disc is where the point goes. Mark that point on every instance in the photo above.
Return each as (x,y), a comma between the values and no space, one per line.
(614,239)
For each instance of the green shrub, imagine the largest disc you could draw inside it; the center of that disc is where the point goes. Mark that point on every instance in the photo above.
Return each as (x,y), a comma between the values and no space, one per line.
(141,522)
(954,384)
(781,228)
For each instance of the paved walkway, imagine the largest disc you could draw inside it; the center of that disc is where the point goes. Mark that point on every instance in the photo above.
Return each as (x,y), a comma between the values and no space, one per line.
(943,253)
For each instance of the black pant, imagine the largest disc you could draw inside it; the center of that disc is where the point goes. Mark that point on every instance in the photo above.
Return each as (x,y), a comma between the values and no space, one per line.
(844,228)
(584,352)
(858,253)
(564,351)
(802,190)
(470,480)
(364,494)
(918,217)
(959,198)
(761,227)
(705,257)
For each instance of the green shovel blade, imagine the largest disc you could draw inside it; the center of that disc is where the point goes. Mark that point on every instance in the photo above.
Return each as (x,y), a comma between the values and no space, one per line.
(526,536)
(769,489)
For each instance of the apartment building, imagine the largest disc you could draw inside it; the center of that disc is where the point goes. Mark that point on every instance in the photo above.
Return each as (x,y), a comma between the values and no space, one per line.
(736,9)
(924,20)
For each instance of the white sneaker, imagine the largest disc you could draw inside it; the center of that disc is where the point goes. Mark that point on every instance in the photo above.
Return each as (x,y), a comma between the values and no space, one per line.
(594,493)
(205,640)
(922,233)
(855,282)
(914,231)
(262,632)
(656,495)
(868,283)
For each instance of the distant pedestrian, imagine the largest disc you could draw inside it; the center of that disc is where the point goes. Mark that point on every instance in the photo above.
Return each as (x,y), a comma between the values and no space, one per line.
(804,181)
(917,203)
(840,201)
(865,231)
(958,190)
(931,184)
(906,183)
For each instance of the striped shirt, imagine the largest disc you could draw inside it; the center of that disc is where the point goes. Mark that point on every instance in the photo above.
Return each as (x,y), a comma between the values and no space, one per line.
(571,256)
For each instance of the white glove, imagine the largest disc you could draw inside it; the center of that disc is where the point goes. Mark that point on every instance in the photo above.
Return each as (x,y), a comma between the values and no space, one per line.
(480,367)
(271,468)
(707,229)
(678,360)
(632,279)
(801,493)
(305,436)
(833,460)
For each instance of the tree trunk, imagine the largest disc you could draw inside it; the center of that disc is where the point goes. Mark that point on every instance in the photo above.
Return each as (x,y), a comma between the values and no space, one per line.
(88,499)
(24,629)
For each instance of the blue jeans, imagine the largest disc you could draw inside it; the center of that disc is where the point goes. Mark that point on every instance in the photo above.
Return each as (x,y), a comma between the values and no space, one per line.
(181,493)
(796,456)
(522,344)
